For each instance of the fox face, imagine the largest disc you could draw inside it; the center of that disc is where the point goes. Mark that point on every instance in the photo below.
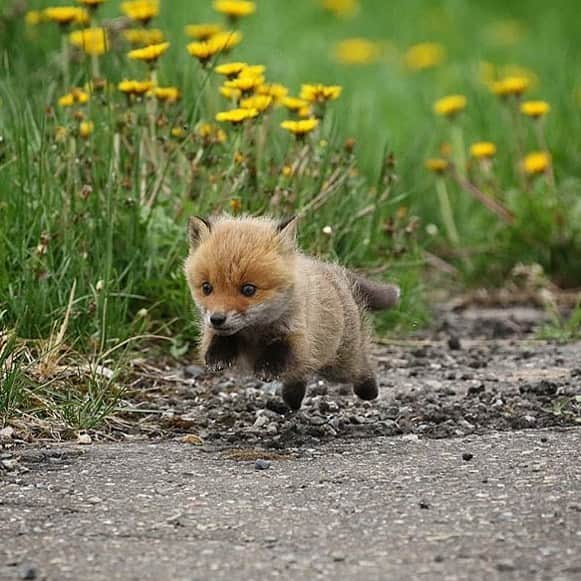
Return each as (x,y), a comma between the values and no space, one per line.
(239,271)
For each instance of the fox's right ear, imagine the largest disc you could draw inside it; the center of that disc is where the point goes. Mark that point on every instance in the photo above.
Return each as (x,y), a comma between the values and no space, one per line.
(198,229)
(287,230)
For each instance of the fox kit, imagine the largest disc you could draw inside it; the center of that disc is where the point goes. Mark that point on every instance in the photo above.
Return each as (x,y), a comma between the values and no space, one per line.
(268,308)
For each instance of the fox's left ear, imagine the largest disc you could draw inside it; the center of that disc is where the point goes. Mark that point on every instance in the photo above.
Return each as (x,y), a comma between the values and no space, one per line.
(287,230)
(198,229)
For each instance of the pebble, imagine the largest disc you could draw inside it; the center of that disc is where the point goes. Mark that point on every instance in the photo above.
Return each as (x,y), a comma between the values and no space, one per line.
(337,556)
(261,464)
(423,504)
(454,343)
(193,371)
(467,456)
(29,573)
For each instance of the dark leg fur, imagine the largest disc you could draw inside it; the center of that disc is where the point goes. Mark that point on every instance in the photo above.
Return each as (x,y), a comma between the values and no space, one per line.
(222,352)
(293,394)
(366,389)
(274,359)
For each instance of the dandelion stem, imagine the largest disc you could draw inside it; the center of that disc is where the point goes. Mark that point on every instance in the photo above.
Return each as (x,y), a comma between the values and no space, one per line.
(541,140)
(66,60)
(95,72)
(446,212)
(458,150)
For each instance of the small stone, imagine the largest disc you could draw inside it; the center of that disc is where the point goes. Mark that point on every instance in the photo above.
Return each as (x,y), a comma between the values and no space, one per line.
(439,558)
(505,566)
(454,343)
(6,433)
(337,556)
(544,439)
(84,439)
(467,456)
(193,371)
(424,505)
(29,573)
(192,439)
(261,464)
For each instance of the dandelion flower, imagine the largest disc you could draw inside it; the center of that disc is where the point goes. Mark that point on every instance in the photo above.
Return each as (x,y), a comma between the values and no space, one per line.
(75,97)
(357,51)
(167,94)
(210,133)
(230,93)
(235,205)
(483,150)
(202,31)
(275,90)
(252,71)
(342,8)
(295,104)
(91,4)
(245,84)
(536,163)
(437,165)
(236,116)
(140,10)
(535,109)
(178,132)
(300,128)
(86,128)
(132,87)
(92,41)
(65,15)
(219,43)
(450,106)
(230,69)
(143,36)
(425,55)
(511,86)
(235,9)
(259,102)
(149,54)
(320,93)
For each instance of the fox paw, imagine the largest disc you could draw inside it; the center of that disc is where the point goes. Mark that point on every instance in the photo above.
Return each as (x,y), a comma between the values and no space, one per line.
(293,394)
(366,389)
(221,353)
(274,360)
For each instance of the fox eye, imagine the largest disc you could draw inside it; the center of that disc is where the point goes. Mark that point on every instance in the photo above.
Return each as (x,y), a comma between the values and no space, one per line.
(207,288)
(248,290)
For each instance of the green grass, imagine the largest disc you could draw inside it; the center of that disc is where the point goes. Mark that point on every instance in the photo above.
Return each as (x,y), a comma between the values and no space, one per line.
(92,231)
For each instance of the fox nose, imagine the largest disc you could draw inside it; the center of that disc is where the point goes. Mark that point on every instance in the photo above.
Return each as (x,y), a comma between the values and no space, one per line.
(217,319)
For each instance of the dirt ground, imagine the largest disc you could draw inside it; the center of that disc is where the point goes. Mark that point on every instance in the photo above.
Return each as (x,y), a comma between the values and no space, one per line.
(466,467)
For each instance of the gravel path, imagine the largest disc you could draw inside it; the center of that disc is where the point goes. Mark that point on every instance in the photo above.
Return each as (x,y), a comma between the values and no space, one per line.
(501,506)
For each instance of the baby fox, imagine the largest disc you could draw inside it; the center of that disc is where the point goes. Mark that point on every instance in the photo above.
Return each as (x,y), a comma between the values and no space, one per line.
(268,308)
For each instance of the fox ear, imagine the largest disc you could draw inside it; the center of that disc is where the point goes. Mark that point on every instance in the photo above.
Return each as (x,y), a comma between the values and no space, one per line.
(287,230)
(198,229)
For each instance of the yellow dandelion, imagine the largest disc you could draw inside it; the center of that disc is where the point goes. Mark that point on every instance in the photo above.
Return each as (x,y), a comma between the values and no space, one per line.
(149,54)
(230,70)
(219,43)
(320,93)
(305,112)
(535,109)
(425,55)
(252,71)
(143,36)
(33,17)
(76,97)
(341,8)
(510,86)
(65,15)
(537,162)
(437,165)
(300,128)
(259,102)
(357,51)
(202,31)
(287,171)
(483,150)
(275,90)
(92,41)
(210,133)
(230,93)
(86,128)
(450,106)
(167,94)
(236,116)
(132,87)
(178,132)
(295,104)
(235,9)
(140,10)
(245,84)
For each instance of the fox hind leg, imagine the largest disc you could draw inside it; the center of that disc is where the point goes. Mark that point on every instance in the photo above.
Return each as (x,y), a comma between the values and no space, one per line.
(366,388)
(293,394)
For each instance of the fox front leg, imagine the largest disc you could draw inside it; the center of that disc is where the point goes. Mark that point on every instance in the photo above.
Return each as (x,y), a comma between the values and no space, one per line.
(274,359)
(220,351)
